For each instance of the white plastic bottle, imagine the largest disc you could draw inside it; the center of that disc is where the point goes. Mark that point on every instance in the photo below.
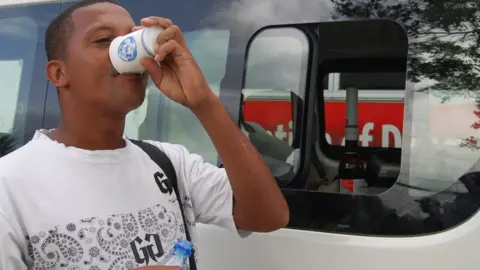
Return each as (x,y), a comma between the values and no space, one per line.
(179,255)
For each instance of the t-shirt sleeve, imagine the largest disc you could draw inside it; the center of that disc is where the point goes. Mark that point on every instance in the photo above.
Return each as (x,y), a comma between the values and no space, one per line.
(208,186)
(10,250)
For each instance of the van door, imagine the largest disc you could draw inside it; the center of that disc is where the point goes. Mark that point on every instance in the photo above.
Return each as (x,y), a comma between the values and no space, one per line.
(422,195)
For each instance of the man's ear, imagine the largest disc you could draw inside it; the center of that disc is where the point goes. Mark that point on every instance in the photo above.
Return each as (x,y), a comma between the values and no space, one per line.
(57,73)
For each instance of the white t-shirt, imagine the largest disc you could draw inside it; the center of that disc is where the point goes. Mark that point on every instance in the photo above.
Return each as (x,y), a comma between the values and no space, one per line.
(62,207)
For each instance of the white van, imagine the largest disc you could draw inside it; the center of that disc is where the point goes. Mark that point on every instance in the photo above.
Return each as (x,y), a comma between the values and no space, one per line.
(419,128)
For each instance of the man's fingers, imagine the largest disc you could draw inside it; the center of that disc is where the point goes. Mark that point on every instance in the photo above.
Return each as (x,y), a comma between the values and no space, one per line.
(136,28)
(156,21)
(172,32)
(170,47)
(153,69)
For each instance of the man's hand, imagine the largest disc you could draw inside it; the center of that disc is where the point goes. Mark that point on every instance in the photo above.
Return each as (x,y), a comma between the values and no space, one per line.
(178,75)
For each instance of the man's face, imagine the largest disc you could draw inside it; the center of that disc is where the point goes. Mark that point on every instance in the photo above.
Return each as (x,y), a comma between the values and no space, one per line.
(92,78)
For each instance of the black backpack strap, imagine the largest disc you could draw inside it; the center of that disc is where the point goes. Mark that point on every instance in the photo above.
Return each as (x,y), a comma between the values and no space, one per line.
(162,160)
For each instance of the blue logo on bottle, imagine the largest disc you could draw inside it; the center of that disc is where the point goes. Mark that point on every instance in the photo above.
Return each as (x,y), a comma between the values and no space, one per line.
(127,50)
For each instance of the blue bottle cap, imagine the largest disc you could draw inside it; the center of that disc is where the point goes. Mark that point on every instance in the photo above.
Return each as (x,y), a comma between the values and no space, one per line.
(183,247)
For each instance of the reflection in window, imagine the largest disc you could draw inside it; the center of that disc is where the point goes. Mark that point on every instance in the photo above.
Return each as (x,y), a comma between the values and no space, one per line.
(159,118)
(273,96)
(277,60)
(10,76)
(444,144)
(440,164)
(19,39)
(380,113)
(443,72)
(373,81)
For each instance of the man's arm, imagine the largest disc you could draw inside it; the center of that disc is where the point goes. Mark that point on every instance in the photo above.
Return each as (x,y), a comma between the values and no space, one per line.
(259,204)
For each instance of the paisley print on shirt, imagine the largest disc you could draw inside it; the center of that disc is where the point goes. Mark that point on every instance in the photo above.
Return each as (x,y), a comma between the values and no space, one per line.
(119,241)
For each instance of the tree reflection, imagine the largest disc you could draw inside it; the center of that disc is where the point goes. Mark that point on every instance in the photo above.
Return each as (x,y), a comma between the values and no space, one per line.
(444,42)
(444,39)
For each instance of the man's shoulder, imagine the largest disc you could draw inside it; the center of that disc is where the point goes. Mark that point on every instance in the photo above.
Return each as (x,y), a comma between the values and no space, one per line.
(180,156)
(17,159)
(15,167)
(173,151)
(166,146)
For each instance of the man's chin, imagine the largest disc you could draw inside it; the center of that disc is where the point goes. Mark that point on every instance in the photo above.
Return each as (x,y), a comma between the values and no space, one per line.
(136,100)
(129,99)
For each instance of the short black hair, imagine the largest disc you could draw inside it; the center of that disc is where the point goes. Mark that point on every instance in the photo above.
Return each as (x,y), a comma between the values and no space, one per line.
(60,29)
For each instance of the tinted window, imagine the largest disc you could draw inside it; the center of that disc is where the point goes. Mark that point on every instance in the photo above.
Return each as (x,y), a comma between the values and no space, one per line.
(436,186)
(373,81)
(23,83)
(376,128)
(274,89)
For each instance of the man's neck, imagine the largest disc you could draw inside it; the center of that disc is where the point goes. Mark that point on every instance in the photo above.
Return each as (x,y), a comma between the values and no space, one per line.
(100,134)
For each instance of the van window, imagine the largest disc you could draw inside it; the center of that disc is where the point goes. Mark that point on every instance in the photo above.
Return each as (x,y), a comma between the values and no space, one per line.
(373,81)
(19,37)
(378,92)
(10,76)
(444,143)
(276,64)
(420,135)
(273,76)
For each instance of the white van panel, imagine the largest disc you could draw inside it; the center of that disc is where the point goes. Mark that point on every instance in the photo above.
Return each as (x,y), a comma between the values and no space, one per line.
(290,249)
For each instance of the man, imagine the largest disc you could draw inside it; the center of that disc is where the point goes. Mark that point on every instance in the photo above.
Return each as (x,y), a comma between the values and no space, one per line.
(82,195)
